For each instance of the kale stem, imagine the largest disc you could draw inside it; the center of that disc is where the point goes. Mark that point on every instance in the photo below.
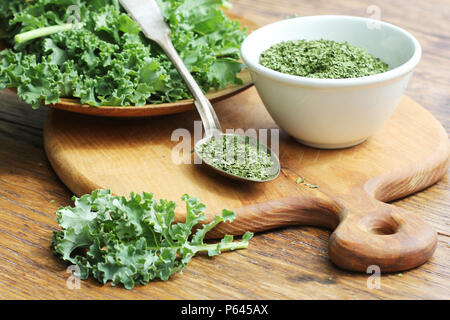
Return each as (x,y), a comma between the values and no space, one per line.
(205,247)
(224,247)
(43,32)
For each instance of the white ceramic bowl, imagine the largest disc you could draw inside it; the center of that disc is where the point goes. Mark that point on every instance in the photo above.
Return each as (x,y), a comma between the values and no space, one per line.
(333,113)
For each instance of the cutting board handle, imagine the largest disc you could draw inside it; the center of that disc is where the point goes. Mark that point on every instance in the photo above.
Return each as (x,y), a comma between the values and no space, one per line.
(382,235)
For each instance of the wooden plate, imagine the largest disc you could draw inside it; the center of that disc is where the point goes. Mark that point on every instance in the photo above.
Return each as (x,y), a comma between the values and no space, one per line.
(73,104)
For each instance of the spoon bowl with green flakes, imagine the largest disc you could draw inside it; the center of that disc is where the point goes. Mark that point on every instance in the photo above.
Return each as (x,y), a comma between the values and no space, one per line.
(331,81)
(238,157)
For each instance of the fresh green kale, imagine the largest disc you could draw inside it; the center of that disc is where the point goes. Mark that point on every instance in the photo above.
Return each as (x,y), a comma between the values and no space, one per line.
(108,61)
(135,240)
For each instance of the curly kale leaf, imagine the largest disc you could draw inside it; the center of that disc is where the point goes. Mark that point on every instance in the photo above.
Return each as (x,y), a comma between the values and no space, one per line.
(134,240)
(108,61)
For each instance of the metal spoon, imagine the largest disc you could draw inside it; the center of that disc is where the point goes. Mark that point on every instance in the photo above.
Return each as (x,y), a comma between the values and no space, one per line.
(148,15)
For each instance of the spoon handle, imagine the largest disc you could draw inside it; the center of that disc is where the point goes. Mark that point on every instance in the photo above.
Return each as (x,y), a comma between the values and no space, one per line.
(205,109)
(148,15)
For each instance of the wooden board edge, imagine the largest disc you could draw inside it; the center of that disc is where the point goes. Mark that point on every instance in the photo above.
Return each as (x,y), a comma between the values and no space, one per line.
(401,183)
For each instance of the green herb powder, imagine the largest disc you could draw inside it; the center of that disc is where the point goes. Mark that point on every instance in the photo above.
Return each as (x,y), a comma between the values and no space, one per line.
(325,59)
(238,155)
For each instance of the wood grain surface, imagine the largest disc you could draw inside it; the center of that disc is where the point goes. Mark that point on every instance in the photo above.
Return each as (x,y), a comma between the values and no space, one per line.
(287,263)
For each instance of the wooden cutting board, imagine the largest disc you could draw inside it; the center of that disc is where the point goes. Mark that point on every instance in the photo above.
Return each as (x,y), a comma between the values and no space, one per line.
(410,153)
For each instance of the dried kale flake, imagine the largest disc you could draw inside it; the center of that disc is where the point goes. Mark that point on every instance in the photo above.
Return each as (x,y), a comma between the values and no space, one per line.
(324,59)
(239,155)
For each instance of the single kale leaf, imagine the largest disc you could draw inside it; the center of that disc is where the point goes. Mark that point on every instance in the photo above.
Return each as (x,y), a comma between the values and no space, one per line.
(106,60)
(135,240)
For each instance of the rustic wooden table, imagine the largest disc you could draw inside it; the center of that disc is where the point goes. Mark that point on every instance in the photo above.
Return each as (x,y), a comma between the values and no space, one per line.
(291,263)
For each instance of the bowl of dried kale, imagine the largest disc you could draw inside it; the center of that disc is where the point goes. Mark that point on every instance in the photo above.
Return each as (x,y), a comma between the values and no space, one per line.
(331,81)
